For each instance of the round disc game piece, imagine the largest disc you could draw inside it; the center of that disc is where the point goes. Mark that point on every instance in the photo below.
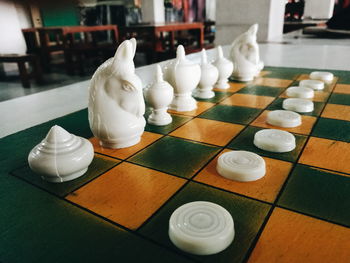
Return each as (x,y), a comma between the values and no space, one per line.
(201,228)
(241,166)
(274,140)
(300,92)
(312,84)
(298,105)
(284,118)
(322,75)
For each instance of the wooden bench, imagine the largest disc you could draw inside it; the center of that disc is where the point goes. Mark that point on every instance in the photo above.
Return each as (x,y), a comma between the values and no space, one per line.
(23,72)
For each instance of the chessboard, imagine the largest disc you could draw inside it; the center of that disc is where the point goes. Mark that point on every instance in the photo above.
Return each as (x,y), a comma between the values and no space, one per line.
(119,210)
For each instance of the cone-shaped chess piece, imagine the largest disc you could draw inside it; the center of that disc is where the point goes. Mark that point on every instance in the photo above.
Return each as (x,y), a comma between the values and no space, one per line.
(225,68)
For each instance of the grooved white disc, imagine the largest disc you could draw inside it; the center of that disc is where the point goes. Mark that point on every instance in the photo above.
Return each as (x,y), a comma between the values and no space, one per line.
(283,118)
(241,166)
(201,228)
(298,105)
(274,140)
(322,75)
(300,92)
(312,84)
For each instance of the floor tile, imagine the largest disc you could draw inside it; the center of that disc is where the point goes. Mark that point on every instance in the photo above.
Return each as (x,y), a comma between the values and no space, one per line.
(247,214)
(99,165)
(277,105)
(175,156)
(261,91)
(343,99)
(335,111)
(342,88)
(127,194)
(219,96)
(305,127)
(244,141)
(208,131)
(272,82)
(177,121)
(328,154)
(319,193)
(265,189)
(320,96)
(234,87)
(233,114)
(202,106)
(146,139)
(248,100)
(332,129)
(291,237)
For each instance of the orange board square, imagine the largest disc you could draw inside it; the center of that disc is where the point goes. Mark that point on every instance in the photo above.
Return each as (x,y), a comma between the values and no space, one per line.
(320,96)
(234,87)
(305,127)
(291,237)
(201,107)
(335,111)
(342,88)
(328,154)
(265,188)
(208,131)
(128,194)
(146,139)
(276,83)
(248,100)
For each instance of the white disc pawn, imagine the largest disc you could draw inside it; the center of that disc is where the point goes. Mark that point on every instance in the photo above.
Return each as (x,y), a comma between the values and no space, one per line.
(273,140)
(298,105)
(312,84)
(201,228)
(284,118)
(241,166)
(300,92)
(326,77)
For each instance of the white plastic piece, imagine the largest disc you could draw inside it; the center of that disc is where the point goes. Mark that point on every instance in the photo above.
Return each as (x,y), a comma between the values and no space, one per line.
(241,166)
(298,105)
(159,96)
(284,118)
(225,68)
(183,76)
(326,77)
(201,228)
(300,92)
(116,104)
(209,76)
(312,84)
(273,140)
(61,156)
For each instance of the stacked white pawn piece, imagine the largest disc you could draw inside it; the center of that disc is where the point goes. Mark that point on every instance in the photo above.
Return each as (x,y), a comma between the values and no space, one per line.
(201,228)
(159,95)
(183,76)
(300,92)
(225,68)
(209,76)
(298,105)
(284,118)
(241,166)
(312,84)
(273,140)
(61,156)
(326,77)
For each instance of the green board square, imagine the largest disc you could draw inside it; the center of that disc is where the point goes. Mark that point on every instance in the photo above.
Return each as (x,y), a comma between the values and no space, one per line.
(332,129)
(319,193)
(277,105)
(261,91)
(343,99)
(96,168)
(175,156)
(282,73)
(248,216)
(244,141)
(219,96)
(233,114)
(177,122)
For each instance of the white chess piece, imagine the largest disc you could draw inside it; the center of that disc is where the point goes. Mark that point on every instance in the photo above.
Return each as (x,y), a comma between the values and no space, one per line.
(184,76)
(61,156)
(159,95)
(245,55)
(209,76)
(116,104)
(225,68)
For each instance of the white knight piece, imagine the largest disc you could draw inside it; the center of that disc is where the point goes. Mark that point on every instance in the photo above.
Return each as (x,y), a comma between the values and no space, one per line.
(116,104)
(245,55)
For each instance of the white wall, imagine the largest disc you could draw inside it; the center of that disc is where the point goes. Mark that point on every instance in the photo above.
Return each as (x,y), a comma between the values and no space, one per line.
(153,11)
(319,9)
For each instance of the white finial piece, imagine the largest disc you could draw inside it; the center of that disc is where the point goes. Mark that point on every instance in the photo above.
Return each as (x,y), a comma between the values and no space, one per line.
(220,53)
(57,133)
(180,52)
(159,74)
(204,56)
(225,68)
